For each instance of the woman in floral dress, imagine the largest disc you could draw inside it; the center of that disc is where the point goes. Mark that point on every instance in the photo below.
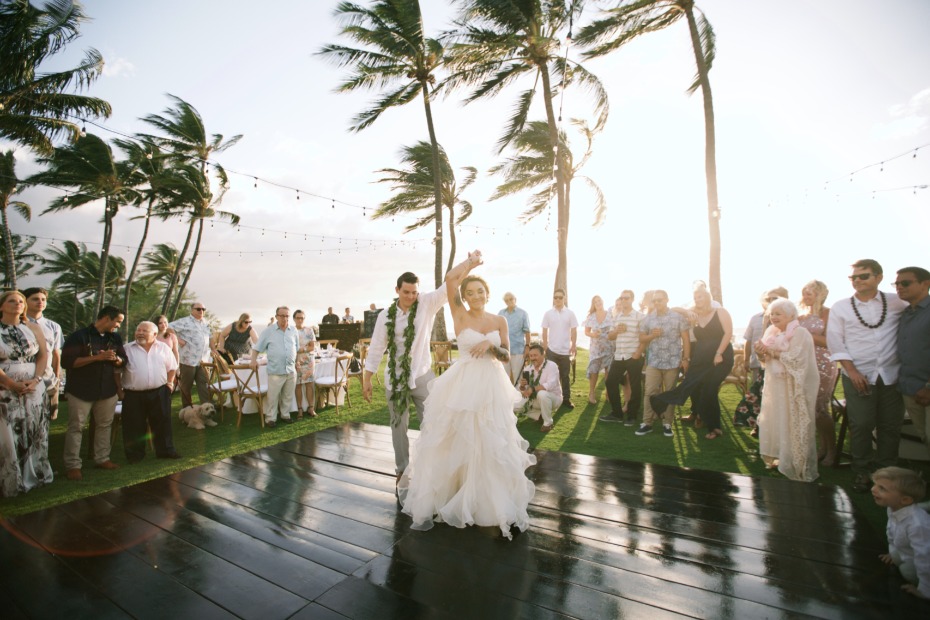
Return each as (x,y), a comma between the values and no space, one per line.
(305,364)
(596,327)
(814,319)
(24,415)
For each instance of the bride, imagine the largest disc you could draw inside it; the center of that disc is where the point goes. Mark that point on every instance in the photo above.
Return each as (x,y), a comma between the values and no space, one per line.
(469,462)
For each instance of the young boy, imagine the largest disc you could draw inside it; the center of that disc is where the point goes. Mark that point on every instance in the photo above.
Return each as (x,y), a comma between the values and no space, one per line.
(899,490)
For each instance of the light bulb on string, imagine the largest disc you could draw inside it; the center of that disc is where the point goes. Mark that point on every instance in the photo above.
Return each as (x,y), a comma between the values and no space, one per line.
(256,183)
(334,203)
(298,194)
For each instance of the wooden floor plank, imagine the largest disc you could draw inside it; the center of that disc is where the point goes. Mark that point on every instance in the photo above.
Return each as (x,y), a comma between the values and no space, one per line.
(310,528)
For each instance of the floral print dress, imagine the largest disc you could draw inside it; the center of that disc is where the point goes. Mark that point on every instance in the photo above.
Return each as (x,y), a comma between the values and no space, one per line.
(305,361)
(826,367)
(24,419)
(602,349)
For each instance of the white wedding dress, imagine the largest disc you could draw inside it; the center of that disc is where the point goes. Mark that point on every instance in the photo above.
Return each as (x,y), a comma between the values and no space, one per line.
(467,467)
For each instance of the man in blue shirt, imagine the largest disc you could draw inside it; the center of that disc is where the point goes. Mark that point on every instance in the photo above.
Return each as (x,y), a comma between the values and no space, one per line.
(913,286)
(518,325)
(280,342)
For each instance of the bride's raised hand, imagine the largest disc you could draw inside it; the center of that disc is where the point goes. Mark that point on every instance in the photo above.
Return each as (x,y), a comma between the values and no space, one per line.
(475,259)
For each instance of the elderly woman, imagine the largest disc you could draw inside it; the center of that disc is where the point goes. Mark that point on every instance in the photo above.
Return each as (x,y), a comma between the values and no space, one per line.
(236,339)
(596,327)
(787,437)
(24,415)
(814,319)
(710,363)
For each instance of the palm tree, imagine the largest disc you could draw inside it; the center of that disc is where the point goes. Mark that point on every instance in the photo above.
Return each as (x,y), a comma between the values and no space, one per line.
(188,191)
(160,265)
(89,168)
(184,136)
(24,258)
(496,43)
(632,18)
(34,107)
(531,169)
(414,190)
(8,189)
(150,162)
(73,275)
(394,54)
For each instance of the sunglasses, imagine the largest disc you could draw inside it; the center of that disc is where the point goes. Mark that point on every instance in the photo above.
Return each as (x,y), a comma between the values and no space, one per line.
(904,283)
(247,322)
(200,309)
(860,276)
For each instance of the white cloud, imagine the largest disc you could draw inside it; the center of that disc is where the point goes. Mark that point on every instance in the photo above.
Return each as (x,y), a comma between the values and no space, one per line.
(118,67)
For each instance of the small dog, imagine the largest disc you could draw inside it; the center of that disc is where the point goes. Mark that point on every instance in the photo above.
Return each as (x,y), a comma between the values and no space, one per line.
(198,417)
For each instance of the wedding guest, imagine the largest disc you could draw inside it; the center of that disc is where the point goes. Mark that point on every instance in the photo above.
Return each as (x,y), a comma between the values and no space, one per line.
(36,302)
(601,353)
(787,433)
(279,342)
(711,362)
(330,318)
(167,335)
(193,345)
(814,319)
(91,356)
(627,362)
(747,411)
(236,339)
(304,389)
(666,335)
(912,285)
(862,336)
(540,387)
(899,490)
(518,327)
(145,388)
(24,418)
(348,318)
(559,337)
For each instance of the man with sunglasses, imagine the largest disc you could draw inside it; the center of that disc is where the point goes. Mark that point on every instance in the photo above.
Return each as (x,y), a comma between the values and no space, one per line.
(193,344)
(559,334)
(862,336)
(913,286)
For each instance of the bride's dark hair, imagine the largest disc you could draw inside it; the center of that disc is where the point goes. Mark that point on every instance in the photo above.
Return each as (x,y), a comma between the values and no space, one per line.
(468,280)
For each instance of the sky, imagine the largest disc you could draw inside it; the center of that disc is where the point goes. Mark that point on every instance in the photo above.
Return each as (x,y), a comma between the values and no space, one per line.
(820,106)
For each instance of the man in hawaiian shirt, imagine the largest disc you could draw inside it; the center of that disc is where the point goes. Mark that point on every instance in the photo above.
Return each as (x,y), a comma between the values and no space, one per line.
(193,344)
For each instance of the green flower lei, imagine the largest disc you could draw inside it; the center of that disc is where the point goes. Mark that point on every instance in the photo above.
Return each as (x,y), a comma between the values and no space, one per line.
(400,386)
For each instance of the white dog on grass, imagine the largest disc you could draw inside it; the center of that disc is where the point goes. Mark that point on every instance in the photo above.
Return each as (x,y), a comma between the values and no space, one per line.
(198,417)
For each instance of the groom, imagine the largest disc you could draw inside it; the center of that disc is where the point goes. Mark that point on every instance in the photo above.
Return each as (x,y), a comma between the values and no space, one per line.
(404,330)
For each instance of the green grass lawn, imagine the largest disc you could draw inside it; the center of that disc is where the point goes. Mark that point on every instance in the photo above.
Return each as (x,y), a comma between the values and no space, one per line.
(578,431)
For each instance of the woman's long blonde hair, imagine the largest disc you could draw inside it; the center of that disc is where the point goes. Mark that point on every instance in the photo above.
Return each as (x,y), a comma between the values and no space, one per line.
(820,291)
(5,295)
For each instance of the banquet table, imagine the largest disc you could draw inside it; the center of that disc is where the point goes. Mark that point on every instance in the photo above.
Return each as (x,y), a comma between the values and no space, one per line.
(324,366)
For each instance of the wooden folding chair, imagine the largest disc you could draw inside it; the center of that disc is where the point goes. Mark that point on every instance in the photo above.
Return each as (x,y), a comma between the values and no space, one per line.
(739,375)
(249,388)
(219,385)
(332,385)
(441,350)
(322,344)
(840,418)
(363,345)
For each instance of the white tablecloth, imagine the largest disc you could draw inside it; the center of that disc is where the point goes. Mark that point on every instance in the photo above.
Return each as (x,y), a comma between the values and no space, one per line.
(323,367)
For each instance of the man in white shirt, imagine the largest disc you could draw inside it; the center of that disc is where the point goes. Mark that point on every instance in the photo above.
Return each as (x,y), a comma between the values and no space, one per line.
(36,301)
(404,330)
(862,337)
(540,387)
(193,344)
(145,388)
(628,362)
(348,318)
(559,335)
(280,343)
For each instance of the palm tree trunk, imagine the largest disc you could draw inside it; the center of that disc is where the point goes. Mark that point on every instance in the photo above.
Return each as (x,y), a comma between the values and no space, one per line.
(561,272)
(104,255)
(710,158)
(439,329)
(451,239)
(190,270)
(135,265)
(10,281)
(169,290)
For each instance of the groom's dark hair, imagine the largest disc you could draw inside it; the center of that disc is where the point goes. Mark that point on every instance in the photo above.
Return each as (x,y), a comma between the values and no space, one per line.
(539,348)
(408,277)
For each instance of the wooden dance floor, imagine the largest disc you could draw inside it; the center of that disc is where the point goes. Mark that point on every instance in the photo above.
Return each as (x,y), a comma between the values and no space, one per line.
(311,529)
